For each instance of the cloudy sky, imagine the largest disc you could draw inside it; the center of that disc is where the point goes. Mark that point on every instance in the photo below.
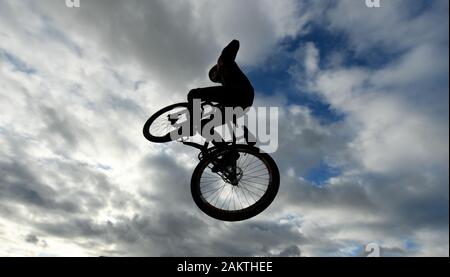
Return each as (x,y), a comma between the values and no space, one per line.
(363,96)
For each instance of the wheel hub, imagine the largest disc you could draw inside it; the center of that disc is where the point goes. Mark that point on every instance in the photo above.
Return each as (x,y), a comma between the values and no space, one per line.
(233,175)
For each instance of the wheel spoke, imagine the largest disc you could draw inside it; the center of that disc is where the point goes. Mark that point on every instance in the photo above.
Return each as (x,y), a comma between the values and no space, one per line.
(252,177)
(161,126)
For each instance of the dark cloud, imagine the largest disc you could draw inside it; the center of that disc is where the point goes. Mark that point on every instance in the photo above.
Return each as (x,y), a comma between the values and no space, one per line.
(60,125)
(290,251)
(144,32)
(19,184)
(177,43)
(32,239)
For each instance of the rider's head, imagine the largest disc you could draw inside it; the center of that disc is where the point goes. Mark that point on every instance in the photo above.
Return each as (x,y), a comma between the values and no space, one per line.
(214,74)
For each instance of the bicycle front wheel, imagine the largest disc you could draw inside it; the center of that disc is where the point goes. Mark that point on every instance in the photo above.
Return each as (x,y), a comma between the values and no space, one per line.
(244,193)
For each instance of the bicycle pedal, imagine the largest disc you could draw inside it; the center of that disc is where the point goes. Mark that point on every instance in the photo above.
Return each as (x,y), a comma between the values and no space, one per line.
(231,157)
(172,120)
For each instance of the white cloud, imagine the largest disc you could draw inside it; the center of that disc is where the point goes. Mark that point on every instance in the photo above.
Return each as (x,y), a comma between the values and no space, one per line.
(70,129)
(396,117)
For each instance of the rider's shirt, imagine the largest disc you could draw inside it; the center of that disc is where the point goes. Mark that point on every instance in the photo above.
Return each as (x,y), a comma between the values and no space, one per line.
(231,75)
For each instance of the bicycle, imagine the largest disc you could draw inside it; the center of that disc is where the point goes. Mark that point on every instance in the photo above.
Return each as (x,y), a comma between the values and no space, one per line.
(232,181)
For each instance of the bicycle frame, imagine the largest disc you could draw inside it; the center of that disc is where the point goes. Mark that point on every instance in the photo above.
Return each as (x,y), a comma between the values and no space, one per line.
(205,146)
(227,161)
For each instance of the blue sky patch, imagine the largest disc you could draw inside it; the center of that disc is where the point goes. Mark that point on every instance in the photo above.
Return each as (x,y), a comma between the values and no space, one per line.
(276,79)
(411,245)
(17,63)
(320,174)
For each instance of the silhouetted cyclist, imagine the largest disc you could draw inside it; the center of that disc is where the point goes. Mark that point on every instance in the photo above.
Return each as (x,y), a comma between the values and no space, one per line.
(233,180)
(235,91)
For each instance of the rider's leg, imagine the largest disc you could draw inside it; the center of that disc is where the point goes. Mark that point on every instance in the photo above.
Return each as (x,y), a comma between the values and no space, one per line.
(211,94)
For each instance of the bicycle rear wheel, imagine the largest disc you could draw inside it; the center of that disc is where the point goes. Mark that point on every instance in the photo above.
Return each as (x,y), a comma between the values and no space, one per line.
(159,126)
(252,187)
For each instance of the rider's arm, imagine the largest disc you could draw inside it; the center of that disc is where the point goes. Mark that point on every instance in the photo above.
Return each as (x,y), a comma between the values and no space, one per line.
(229,53)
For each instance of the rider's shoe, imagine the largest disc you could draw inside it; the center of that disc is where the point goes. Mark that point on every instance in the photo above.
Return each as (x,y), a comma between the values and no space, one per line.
(216,168)
(231,157)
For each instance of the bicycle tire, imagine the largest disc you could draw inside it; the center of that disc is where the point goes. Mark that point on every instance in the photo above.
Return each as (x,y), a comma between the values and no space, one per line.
(243,214)
(166,137)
